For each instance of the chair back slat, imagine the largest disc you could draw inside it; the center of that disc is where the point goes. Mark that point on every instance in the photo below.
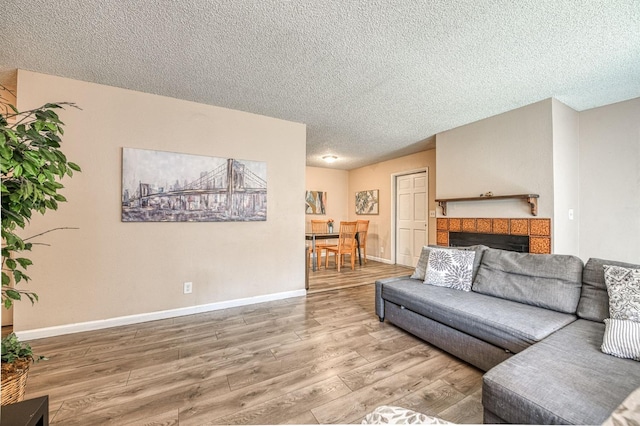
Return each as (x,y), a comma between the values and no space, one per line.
(319,226)
(363,229)
(347,238)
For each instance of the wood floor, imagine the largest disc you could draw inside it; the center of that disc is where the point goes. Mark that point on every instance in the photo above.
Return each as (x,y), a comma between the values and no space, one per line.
(324,358)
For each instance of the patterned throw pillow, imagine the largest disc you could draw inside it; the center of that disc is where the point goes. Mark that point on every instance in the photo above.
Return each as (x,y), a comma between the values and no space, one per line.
(621,338)
(421,268)
(450,268)
(623,286)
(627,413)
(390,415)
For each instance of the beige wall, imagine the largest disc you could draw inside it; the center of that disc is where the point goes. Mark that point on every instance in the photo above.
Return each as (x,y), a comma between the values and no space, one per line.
(510,153)
(336,184)
(379,176)
(109,269)
(566,179)
(610,182)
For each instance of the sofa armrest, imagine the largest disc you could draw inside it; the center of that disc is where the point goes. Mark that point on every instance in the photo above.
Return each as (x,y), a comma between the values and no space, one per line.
(379,300)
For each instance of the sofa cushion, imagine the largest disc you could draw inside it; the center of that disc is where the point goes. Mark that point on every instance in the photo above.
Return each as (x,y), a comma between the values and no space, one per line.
(594,300)
(450,268)
(563,379)
(503,323)
(551,281)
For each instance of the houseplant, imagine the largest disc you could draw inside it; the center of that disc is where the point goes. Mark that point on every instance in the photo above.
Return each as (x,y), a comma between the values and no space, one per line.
(32,165)
(16,358)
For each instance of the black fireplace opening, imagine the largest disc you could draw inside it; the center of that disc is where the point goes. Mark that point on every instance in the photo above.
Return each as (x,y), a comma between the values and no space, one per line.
(519,243)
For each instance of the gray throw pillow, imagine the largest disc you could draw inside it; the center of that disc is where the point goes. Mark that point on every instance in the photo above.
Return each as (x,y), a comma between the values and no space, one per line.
(621,338)
(450,268)
(421,268)
(623,286)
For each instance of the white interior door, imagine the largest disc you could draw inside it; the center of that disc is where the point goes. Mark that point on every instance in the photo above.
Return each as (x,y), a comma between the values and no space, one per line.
(411,217)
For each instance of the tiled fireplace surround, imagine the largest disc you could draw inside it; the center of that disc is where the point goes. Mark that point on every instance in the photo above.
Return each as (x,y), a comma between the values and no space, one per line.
(538,230)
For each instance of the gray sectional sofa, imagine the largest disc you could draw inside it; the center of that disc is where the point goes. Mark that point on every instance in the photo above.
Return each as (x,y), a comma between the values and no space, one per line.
(534,323)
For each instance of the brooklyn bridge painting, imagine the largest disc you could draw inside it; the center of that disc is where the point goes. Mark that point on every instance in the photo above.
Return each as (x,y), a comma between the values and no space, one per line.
(160,186)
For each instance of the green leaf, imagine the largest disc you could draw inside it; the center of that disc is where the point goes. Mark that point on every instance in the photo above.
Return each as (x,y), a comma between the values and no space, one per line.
(74,166)
(24,262)
(30,168)
(11,264)
(13,294)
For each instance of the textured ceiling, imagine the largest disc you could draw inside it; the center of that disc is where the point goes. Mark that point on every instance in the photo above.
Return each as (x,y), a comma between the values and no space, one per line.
(371,79)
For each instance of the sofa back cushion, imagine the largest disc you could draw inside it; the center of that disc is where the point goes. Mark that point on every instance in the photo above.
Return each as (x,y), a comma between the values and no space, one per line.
(551,281)
(594,299)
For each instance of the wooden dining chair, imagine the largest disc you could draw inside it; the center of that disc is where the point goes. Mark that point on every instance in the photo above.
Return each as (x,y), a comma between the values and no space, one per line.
(363,229)
(346,245)
(321,227)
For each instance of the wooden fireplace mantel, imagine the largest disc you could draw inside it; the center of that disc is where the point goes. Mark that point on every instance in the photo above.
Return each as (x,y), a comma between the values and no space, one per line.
(531,199)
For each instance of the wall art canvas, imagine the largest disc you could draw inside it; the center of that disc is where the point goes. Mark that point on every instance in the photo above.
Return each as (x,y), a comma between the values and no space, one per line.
(367,202)
(316,202)
(159,186)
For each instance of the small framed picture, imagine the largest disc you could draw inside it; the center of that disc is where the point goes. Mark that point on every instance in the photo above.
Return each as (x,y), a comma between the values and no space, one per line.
(315,202)
(367,202)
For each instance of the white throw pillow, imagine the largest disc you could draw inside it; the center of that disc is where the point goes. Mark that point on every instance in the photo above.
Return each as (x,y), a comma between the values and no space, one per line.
(621,338)
(450,268)
(623,287)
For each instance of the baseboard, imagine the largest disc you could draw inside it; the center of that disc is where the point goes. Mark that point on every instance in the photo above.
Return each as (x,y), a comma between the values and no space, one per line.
(379,259)
(151,316)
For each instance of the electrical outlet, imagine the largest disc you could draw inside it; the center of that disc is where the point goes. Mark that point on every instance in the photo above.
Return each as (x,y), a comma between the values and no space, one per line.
(381,249)
(432,213)
(187,288)
(570,214)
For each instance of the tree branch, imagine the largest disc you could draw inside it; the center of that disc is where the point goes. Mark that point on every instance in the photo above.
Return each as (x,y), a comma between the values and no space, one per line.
(46,232)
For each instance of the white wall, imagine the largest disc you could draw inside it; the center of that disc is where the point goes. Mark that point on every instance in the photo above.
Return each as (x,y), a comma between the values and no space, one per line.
(566,179)
(510,153)
(610,182)
(108,269)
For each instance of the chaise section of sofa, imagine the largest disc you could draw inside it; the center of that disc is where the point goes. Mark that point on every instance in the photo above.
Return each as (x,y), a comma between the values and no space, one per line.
(565,378)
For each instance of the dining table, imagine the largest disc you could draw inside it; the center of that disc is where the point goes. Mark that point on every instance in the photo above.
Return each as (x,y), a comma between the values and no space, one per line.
(311,236)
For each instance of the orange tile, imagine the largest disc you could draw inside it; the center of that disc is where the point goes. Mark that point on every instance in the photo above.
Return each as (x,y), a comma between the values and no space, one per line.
(500,226)
(442,224)
(483,225)
(541,227)
(540,245)
(455,225)
(468,225)
(442,238)
(519,226)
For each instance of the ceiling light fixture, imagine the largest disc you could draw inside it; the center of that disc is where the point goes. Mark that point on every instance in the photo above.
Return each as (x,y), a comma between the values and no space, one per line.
(329,158)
